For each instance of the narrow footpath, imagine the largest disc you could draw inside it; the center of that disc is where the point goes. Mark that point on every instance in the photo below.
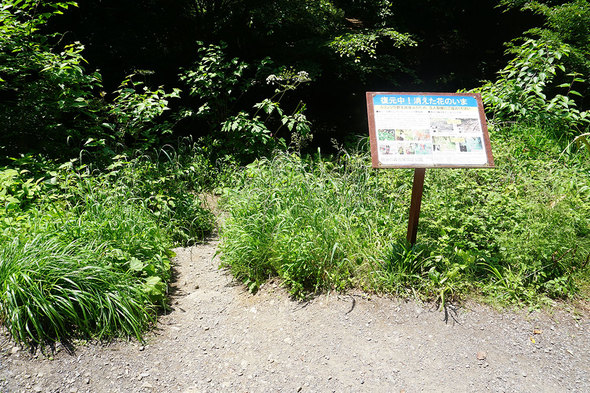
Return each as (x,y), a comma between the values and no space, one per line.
(220,338)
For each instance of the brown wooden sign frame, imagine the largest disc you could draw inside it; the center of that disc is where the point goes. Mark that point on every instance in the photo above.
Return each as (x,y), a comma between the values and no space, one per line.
(437,105)
(433,102)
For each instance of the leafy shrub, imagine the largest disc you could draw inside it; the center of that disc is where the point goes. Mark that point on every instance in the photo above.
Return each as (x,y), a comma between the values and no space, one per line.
(358,44)
(518,233)
(88,253)
(218,82)
(254,136)
(49,99)
(521,91)
(566,23)
(135,113)
(571,20)
(16,190)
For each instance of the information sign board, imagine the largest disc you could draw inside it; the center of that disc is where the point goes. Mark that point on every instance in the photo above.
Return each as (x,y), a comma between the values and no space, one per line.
(426,130)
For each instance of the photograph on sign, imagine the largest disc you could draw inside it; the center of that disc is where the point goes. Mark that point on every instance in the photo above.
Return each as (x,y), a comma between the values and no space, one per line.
(428,130)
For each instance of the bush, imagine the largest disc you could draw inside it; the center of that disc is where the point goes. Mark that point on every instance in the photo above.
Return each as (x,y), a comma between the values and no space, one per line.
(517,233)
(89,255)
(51,104)
(524,87)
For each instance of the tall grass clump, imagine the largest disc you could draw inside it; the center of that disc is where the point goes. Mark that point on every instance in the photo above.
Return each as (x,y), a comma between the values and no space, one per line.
(50,289)
(86,252)
(98,268)
(516,233)
(310,222)
(171,184)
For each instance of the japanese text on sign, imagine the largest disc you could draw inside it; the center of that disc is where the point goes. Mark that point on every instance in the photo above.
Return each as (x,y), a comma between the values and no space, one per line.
(428,130)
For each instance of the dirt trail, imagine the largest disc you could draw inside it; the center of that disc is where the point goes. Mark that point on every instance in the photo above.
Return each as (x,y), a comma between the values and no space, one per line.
(220,338)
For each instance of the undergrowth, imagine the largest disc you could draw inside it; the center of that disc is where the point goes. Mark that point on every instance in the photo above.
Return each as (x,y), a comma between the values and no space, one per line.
(86,252)
(516,233)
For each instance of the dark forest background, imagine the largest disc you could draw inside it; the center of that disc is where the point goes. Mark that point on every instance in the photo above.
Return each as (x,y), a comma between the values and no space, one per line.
(219,53)
(459,43)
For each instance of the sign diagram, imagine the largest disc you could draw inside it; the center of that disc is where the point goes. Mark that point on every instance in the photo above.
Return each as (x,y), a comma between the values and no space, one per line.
(422,130)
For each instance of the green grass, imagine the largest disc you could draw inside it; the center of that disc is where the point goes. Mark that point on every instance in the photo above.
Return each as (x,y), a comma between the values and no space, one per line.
(170,186)
(50,289)
(98,268)
(516,233)
(87,253)
(310,224)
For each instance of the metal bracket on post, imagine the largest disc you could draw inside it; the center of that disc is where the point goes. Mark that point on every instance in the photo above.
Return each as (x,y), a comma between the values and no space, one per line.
(417,190)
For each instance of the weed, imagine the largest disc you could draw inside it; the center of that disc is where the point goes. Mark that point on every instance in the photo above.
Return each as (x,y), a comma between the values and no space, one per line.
(88,253)
(519,232)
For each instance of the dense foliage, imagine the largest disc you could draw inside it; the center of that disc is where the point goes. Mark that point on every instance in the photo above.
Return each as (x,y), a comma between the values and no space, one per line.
(117,117)
(519,232)
(48,100)
(91,250)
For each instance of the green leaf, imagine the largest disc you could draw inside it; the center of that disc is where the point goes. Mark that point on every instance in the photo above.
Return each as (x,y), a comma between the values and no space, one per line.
(135,264)
(155,288)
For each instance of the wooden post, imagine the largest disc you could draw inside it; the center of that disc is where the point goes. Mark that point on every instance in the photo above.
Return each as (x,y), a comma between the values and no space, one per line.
(417,189)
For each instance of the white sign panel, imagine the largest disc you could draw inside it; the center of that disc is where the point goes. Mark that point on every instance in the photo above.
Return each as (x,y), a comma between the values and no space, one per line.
(411,130)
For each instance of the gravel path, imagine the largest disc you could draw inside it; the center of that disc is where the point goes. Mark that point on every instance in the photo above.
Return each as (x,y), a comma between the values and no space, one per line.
(219,338)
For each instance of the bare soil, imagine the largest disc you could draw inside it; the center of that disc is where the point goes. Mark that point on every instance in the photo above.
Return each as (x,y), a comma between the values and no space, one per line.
(220,338)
